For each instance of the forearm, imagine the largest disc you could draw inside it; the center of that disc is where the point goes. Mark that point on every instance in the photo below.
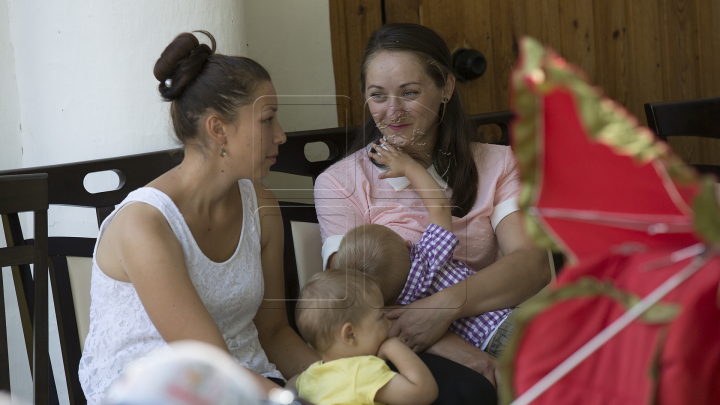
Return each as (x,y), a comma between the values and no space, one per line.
(409,365)
(504,284)
(290,354)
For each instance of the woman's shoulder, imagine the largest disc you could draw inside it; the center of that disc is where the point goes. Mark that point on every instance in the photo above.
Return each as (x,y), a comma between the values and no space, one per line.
(264,195)
(143,207)
(491,158)
(351,164)
(350,161)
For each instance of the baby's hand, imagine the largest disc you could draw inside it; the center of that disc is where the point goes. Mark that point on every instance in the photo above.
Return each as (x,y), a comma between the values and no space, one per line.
(396,160)
(389,345)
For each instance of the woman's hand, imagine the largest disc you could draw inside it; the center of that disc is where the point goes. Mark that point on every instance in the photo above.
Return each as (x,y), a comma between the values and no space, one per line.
(420,324)
(396,160)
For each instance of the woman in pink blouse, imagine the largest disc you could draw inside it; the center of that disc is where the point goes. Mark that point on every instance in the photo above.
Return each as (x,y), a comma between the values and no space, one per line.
(411,95)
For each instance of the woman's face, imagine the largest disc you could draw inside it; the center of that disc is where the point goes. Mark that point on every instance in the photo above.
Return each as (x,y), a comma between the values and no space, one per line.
(403,100)
(254,141)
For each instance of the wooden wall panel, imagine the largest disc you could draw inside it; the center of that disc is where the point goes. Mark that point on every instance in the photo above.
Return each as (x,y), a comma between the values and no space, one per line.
(707,26)
(639,51)
(357,19)
(645,56)
(542,19)
(508,25)
(611,41)
(680,61)
(339,39)
(680,53)
(443,15)
(407,11)
(476,25)
(577,34)
(708,23)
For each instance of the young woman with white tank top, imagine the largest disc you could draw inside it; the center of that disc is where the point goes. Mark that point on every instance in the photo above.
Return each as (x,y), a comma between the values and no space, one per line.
(197,253)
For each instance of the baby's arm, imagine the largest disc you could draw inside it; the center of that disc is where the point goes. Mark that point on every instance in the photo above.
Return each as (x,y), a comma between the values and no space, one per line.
(433,197)
(414,383)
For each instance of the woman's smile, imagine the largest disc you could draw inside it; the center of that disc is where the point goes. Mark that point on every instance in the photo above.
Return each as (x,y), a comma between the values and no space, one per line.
(398,127)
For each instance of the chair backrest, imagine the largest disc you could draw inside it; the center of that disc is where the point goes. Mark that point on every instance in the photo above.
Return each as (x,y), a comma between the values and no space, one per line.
(65,186)
(698,117)
(24,193)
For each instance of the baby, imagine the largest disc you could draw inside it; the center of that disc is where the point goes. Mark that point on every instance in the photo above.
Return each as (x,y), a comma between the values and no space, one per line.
(340,314)
(429,267)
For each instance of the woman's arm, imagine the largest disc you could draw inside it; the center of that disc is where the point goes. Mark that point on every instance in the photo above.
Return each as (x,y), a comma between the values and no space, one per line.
(518,275)
(140,243)
(282,345)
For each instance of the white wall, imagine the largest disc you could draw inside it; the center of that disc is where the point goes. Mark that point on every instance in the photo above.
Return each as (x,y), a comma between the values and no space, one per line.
(291,39)
(10,140)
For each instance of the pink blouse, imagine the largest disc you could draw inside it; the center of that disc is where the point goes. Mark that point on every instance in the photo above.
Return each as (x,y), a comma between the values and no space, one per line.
(349,194)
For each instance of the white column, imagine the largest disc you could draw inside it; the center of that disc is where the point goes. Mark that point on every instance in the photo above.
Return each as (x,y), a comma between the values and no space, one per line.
(10,140)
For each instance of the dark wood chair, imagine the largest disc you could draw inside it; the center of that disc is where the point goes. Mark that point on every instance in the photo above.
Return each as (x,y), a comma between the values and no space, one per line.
(66,187)
(25,193)
(698,117)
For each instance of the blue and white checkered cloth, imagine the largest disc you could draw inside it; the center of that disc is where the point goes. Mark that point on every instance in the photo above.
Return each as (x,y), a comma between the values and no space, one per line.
(433,269)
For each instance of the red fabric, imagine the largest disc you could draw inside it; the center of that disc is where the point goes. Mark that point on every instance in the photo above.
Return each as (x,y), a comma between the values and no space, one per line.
(581,176)
(584,175)
(618,373)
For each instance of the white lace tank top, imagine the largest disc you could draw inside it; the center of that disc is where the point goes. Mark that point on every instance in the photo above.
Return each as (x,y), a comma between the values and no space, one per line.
(121,330)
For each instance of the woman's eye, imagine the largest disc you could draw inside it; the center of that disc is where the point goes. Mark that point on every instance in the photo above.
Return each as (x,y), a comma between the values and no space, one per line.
(269,120)
(377,96)
(410,93)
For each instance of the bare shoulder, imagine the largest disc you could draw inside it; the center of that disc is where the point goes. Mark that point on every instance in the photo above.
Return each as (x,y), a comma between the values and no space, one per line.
(265,196)
(135,228)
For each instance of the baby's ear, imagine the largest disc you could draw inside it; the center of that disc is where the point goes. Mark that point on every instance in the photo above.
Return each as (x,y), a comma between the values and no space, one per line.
(347,334)
(331,261)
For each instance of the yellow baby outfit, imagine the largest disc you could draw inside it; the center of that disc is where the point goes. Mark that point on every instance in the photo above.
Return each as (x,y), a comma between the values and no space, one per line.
(349,381)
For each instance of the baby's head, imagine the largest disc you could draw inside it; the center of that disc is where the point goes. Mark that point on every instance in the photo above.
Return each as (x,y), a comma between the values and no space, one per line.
(379,252)
(339,313)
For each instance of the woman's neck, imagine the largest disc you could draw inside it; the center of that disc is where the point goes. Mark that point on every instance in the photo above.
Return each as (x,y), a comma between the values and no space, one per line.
(197,184)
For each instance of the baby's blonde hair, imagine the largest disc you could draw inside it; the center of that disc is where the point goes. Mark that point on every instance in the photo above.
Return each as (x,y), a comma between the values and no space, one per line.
(330,299)
(379,252)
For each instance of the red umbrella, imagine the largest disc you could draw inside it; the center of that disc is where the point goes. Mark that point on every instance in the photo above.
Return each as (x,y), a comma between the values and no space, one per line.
(635,221)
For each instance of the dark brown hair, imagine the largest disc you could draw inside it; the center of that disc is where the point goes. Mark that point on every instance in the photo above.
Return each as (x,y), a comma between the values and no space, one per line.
(452,153)
(203,81)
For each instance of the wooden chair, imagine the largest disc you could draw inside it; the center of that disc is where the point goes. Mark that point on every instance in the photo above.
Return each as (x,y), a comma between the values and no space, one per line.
(65,187)
(24,193)
(697,117)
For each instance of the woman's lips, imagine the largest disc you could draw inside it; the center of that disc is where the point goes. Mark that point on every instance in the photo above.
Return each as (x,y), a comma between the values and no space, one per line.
(273,158)
(397,127)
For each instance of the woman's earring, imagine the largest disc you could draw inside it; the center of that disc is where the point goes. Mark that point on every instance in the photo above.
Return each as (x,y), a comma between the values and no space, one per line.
(445,100)
(222,151)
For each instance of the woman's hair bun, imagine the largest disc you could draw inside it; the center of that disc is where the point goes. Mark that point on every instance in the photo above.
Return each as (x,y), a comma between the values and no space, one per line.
(181,62)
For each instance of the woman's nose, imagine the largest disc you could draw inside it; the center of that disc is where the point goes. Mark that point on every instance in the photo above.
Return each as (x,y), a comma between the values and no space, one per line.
(396,107)
(280,137)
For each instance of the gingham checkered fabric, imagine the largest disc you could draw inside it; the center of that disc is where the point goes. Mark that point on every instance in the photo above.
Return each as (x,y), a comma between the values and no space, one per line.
(434,269)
